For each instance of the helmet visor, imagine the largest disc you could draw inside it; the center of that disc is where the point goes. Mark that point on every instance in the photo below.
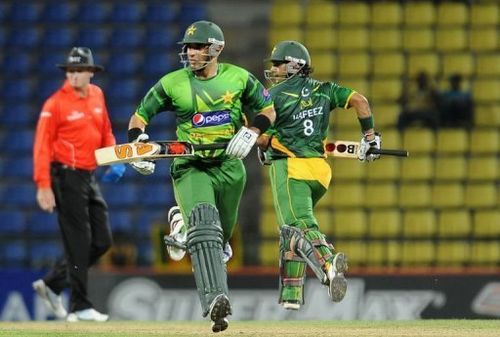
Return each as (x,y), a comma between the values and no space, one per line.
(205,54)
(282,69)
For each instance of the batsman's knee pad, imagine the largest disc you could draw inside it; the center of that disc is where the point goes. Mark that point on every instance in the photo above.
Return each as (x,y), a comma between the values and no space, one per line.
(295,240)
(204,244)
(292,272)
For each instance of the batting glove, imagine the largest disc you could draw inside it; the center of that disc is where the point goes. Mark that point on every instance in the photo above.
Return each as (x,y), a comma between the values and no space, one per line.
(145,167)
(242,142)
(366,145)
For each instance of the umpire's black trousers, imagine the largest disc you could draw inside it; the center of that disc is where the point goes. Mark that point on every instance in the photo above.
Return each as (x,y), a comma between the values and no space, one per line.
(84,225)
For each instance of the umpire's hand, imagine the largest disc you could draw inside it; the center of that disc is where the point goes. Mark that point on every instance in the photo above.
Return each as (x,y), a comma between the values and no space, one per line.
(45,198)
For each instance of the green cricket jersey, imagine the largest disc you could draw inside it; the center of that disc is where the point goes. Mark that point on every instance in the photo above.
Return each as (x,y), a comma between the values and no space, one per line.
(208,111)
(303,107)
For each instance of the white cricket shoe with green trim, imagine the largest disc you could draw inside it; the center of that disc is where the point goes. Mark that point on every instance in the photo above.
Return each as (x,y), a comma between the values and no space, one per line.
(178,232)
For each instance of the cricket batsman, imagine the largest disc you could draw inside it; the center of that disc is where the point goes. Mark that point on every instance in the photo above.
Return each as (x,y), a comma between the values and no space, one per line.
(207,98)
(299,173)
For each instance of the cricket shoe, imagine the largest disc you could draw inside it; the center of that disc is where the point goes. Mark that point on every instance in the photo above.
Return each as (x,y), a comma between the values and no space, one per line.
(178,232)
(291,305)
(51,299)
(220,308)
(178,236)
(227,253)
(338,283)
(87,315)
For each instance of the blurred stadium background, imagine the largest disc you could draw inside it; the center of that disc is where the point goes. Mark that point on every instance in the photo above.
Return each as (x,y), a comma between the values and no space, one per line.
(438,208)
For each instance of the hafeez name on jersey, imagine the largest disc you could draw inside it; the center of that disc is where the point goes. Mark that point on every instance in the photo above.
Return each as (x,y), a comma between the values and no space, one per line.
(308,113)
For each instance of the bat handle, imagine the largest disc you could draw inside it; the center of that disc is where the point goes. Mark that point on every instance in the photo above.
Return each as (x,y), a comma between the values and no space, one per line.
(389,152)
(215,146)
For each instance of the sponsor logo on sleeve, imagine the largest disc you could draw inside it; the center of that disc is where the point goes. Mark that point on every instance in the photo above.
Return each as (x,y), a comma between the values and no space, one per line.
(212,118)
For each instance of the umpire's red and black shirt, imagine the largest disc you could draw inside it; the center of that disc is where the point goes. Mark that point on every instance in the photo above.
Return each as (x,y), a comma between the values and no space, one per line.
(69,129)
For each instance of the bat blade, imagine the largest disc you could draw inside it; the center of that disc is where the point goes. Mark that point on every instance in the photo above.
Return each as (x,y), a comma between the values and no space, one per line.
(342,149)
(129,152)
(349,149)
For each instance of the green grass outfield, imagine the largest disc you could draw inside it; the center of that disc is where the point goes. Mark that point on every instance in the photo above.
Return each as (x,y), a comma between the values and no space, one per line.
(424,328)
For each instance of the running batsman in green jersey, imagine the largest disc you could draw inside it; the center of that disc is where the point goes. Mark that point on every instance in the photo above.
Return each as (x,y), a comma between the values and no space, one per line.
(299,173)
(207,98)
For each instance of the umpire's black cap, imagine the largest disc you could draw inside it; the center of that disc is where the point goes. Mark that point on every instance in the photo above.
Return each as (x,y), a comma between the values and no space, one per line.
(80,57)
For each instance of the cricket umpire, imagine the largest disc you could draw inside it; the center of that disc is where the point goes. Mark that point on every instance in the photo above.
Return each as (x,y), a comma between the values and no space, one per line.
(73,123)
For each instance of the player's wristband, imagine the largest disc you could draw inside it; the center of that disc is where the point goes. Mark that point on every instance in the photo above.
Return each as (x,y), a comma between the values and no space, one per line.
(133,133)
(262,123)
(366,123)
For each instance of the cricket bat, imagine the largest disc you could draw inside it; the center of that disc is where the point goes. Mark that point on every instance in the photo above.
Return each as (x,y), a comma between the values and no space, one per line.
(129,152)
(349,149)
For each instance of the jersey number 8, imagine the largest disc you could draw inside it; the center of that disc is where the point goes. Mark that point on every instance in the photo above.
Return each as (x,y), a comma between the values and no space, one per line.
(308,127)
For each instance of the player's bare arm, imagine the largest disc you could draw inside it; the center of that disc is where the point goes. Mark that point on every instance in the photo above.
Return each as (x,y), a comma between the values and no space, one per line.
(270,113)
(371,139)
(263,141)
(136,122)
(360,103)
(241,144)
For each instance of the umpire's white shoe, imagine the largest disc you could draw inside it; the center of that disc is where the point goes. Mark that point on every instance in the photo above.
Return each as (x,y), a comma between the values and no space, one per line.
(178,232)
(51,300)
(87,315)
(220,308)
(338,283)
